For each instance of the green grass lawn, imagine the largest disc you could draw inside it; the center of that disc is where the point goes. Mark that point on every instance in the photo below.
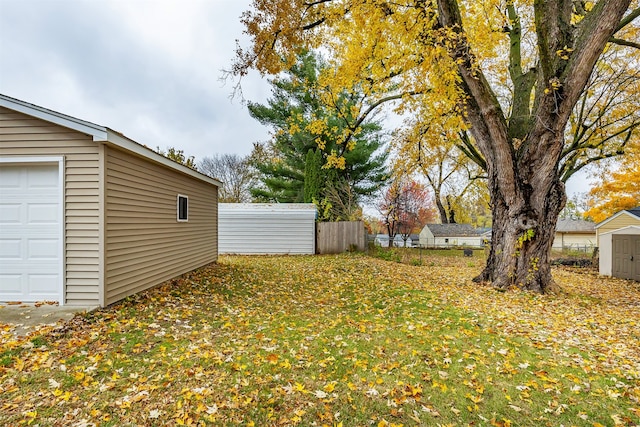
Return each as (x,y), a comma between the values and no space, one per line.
(346,340)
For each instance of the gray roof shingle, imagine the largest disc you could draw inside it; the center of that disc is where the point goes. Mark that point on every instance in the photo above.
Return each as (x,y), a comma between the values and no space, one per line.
(635,211)
(447,230)
(575,226)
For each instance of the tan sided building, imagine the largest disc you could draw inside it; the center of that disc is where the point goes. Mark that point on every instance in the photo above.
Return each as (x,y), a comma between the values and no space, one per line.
(88,216)
(619,243)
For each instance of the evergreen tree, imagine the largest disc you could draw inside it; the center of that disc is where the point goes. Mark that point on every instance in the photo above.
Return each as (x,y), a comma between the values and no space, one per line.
(313,176)
(297,171)
(525,92)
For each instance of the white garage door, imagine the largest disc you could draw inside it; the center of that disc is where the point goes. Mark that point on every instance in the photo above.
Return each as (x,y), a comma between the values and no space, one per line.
(30,233)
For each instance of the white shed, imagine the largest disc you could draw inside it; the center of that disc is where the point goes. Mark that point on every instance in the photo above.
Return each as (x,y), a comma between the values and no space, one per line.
(619,243)
(620,253)
(266,228)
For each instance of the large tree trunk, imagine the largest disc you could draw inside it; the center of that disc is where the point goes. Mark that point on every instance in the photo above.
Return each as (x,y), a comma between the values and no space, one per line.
(521,241)
(527,196)
(523,156)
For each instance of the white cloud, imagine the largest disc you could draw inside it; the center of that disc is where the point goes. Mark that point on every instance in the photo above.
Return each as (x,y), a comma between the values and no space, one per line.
(148,69)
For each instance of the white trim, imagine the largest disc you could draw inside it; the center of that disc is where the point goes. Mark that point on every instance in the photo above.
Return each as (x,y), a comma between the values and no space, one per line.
(603,222)
(622,230)
(30,159)
(102,223)
(125,143)
(100,134)
(61,230)
(178,208)
(25,160)
(52,116)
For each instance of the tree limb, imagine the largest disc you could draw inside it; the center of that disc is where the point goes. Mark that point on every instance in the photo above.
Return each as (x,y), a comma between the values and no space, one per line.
(483,110)
(314,24)
(370,110)
(317,2)
(471,151)
(628,19)
(622,42)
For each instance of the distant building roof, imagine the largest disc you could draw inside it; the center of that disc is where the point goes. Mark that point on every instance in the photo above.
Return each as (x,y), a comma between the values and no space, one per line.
(448,230)
(635,211)
(562,226)
(575,226)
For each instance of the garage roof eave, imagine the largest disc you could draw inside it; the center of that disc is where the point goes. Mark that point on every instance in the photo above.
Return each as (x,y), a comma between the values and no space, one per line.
(97,131)
(100,134)
(119,140)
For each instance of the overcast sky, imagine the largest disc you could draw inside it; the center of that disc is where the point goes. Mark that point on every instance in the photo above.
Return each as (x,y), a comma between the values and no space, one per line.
(149,69)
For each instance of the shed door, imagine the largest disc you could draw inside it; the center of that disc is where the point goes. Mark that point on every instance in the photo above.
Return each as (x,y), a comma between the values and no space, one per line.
(626,256)
(30,233)
(635,245)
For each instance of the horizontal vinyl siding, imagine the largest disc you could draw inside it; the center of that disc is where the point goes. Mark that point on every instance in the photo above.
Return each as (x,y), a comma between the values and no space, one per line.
(624,220)
(576,240)
(620,222)
(22,135)
(145,244)
(271,229)
(458,240)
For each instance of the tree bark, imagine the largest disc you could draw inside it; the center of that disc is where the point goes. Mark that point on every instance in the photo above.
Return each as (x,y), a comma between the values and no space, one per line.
(521,241)
(444,219)
(452,211)
(523,157)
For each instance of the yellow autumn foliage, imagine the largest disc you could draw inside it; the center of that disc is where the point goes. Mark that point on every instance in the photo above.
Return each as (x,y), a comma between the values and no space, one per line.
(617,190)
(335,340)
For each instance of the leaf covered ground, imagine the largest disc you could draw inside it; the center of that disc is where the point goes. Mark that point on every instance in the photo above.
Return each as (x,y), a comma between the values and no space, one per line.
(344,340)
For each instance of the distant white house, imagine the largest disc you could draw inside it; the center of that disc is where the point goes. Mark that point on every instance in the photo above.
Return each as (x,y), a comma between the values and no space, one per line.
(572,234)
(575,234)
(447,235)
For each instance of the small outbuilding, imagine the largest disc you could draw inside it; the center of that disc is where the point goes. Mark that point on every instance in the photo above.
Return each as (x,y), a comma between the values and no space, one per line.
(619,244)
(267,228)
(89,216)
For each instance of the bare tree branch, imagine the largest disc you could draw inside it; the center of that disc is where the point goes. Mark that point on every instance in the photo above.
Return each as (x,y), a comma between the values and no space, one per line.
(628,19)
(622,42)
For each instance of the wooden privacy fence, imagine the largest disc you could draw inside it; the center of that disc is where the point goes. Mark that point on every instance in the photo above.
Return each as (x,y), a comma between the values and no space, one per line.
(338,237)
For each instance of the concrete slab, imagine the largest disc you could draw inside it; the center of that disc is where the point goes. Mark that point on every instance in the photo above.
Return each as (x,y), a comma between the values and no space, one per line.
(23,319)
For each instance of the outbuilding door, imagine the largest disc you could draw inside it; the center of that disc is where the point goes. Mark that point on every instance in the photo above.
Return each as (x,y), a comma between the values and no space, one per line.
(626,256)
(30,232)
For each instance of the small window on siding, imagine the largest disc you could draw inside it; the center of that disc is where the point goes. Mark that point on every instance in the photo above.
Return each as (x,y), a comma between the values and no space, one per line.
(183,208)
